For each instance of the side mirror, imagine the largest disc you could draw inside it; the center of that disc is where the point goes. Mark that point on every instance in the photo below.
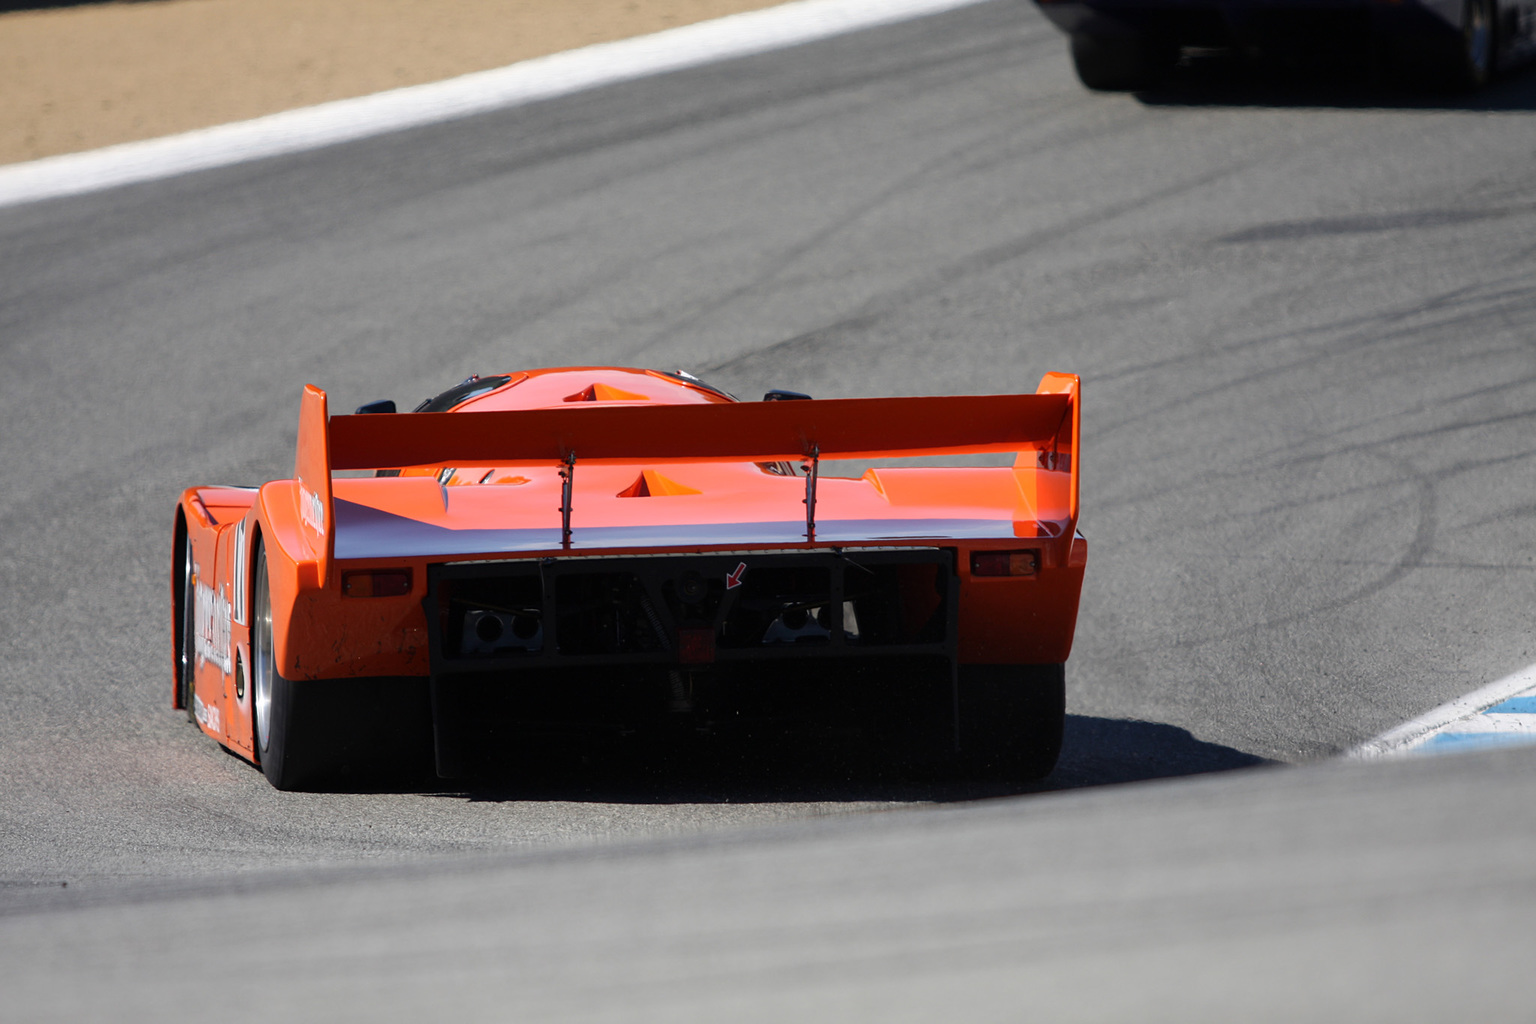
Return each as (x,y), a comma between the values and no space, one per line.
(382,405)
(779,395)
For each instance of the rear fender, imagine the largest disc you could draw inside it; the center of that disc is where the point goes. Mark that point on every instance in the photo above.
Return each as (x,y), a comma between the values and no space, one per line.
(1021,620)
(293,575)
(296,519)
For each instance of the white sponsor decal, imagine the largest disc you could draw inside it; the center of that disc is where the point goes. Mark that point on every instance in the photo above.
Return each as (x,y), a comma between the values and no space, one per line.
(213,620)
(238,585)
(311,510)
(206,714)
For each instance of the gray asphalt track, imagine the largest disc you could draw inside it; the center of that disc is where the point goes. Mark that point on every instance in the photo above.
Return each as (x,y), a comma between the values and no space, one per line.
(1305,320)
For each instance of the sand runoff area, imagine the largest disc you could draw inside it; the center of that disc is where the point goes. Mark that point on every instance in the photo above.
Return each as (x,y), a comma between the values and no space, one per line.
(91,75)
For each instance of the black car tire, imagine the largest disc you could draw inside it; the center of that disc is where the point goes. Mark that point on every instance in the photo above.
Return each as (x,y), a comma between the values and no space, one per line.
(279,725)
(1011,719)
(186,646)
(1120,63)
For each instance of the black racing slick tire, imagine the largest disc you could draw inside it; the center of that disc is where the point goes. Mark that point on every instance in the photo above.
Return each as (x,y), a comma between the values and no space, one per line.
(186,622)
(1120,63)
(1011,720)
(285,759)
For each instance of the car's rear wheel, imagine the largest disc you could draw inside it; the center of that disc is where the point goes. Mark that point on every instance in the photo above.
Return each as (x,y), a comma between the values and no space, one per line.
(1121,62)
(1011,719)
(186,649)
(283,756)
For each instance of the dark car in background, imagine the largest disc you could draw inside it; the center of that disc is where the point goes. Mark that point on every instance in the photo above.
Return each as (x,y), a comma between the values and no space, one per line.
(1455,44)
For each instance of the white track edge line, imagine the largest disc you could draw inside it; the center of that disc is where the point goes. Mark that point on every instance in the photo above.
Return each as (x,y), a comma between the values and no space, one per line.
(1410,733)
(559,74)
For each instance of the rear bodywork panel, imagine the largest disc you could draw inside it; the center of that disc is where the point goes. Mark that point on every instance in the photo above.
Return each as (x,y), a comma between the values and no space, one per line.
(609,524)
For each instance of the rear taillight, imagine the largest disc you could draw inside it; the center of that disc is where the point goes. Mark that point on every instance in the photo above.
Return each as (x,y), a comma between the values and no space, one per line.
(1005,563)
(376,583)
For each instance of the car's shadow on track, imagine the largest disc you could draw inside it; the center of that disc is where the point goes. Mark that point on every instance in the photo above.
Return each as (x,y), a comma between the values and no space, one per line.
(1220,81)
(1096,752)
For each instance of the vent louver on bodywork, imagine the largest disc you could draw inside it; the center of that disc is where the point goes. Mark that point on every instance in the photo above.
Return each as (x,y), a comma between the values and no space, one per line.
(606,393)
(650,484)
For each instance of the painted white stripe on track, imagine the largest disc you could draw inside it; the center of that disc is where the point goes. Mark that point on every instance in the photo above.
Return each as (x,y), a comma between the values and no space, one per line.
(541,78)
(1486,723)
(1460,713)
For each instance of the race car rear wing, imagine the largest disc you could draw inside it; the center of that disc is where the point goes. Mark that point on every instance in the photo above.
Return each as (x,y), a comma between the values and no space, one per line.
(1042,428)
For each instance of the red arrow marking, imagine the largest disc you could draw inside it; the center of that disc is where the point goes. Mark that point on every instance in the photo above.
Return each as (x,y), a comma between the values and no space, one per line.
(733,579)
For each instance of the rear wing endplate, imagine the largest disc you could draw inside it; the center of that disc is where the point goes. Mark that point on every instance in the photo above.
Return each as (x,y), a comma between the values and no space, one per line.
(314,510)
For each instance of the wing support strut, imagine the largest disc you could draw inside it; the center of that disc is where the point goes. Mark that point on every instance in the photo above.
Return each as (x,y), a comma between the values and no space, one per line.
(810,467)
(567,478)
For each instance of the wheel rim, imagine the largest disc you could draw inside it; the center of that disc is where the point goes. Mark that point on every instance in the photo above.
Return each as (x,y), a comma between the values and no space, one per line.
(262,668)
(1478,35)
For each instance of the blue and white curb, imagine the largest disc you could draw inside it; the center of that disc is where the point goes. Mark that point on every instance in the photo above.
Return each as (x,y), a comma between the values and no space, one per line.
(542,78)
(1500,714)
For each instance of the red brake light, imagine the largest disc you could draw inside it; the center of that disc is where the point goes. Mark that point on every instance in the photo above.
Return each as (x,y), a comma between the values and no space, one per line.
(376,583)
(1005,563)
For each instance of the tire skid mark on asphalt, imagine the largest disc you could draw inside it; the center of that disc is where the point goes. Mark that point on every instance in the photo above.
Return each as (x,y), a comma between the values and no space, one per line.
(1501,714)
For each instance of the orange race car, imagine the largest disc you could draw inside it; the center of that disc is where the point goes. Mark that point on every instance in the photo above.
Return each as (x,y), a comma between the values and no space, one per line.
(614,548)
